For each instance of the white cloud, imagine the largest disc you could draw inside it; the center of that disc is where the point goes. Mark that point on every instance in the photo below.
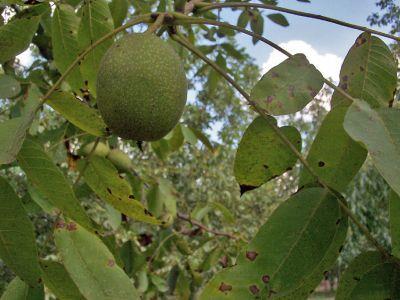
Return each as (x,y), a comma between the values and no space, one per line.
(327,63)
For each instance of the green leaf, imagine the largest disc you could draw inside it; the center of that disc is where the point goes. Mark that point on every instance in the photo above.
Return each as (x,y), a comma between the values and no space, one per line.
(243,19)
(394,212)
(309,283)
(288,87)
(202,138)
(189,135)
(175,138)
(51,182)
(256,24)
(334,156)
(379,131)
(369,72)
(286,250)
(228,216)
(262,155)
(91,265)
(64,30)
(19,290)
(56,278)
(78,113)
(278,19)
(119,11)
(16,36)
(17,237)
(95,23)
(368,278)
(13,131)
(102,177)
(9,86)
(232,51)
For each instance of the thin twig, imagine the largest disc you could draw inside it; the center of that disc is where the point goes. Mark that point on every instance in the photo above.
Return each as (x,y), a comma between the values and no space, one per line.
(204,227)
(157,23)
(202,7)
(87,161)
(181,40)
(67,139)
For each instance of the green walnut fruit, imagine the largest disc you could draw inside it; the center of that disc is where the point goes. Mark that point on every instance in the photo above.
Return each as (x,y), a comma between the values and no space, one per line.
(120,159)
(141,87)
(101,149)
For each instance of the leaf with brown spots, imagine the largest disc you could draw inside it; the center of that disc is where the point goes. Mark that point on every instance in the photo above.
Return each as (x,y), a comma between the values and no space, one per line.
(102,177)
(288,87)
(291,247)
(262,156)
(87,261)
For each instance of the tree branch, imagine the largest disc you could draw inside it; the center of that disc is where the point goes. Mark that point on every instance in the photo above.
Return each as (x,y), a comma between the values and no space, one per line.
(202,7)
(187,218)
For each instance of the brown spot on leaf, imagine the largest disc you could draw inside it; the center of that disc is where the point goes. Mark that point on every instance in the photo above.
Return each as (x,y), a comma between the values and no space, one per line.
(111,263)
(71,226)
(270,98)
(225,287)
(344,86)
(274,75)
(251,255)
(131,197)
(254,289)
(60,224)
(345,78)
(224,261)
(109,191)
(362,69)
(146,212)
(265,278)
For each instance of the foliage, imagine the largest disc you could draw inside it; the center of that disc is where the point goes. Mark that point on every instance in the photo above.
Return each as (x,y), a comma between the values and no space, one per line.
(238,214)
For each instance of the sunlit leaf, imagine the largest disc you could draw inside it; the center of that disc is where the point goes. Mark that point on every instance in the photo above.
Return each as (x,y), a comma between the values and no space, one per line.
(369,277)
(16,36)
(91,265)
(19,290)
(9,86)
(78,113)
(95,23)
(379,131)
(103,179)
(51,182)
(288,87)
(59,282)
(285,251)
(262,155)
(369,72)
(64,28)
(17,237)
